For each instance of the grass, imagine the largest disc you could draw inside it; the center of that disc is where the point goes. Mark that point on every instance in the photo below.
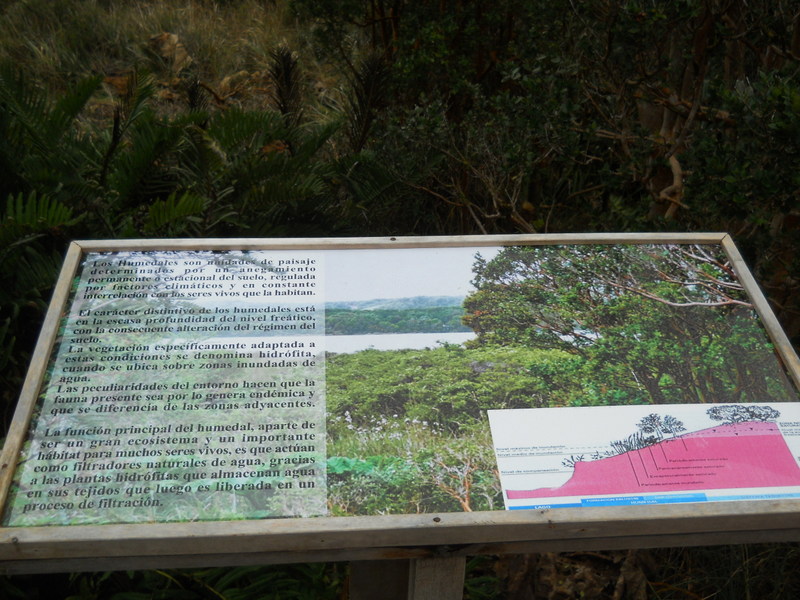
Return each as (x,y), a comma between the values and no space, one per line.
(725,572)
(58,42)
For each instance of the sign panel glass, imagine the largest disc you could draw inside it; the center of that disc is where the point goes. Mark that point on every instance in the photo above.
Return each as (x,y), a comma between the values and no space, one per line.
(217,385)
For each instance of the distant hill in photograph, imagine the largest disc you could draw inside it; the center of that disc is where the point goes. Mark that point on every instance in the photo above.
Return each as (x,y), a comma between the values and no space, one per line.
(420,314)
(397,303)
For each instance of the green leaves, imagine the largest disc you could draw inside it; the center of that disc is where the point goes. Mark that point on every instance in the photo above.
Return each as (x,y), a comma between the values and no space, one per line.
(173,216)
(38,148)
(369,87)
(29,265)
(27,217)
(647,323)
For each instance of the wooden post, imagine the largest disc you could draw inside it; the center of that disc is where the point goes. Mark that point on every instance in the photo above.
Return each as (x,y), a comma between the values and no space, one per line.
(385,579)
(437,578)
(416,579)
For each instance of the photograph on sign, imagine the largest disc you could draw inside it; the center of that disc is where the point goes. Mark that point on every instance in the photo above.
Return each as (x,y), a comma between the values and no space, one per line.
(201,385)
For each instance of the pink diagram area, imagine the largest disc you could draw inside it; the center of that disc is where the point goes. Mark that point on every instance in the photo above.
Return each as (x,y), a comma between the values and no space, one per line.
(742,455)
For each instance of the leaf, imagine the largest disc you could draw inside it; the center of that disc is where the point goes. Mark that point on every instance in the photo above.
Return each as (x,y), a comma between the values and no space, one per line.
(27,217)
(172,211)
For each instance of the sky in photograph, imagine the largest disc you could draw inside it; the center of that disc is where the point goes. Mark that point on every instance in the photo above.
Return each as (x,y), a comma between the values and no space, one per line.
(342,275)
(400,272)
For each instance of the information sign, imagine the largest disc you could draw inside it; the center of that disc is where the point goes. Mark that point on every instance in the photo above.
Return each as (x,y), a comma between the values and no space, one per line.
(372,397)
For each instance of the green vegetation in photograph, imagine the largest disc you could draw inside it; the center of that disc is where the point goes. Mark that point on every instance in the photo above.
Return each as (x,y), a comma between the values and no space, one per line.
(556,326)
(407,429)
(448,385)
(650,324)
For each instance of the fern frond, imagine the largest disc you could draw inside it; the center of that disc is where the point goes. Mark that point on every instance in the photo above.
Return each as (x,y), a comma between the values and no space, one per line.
(315,138)
(286,85)
(134,103)
(368,88)
(250,145)
(245,132)
(129,110)
(27,217)
(144,170)
(25,108)
(202,157)
(170,216)
(69,106)
(41,123)
(35,211)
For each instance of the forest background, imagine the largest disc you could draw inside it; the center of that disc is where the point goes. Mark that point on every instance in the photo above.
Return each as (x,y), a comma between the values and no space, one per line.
(388,117)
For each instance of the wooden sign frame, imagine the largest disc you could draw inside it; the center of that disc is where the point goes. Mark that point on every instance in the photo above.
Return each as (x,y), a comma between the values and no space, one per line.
(366,538)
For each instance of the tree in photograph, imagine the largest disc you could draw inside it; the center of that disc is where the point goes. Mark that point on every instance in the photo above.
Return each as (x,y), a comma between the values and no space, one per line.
(651,431)
(740,413)
(635,441)
(652,323)
(572,461)
(672,425)
(652,423)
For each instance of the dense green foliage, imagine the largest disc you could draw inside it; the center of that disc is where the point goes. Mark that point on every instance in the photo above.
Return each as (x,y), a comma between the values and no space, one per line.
(647,324)
(407,429)
(448,385)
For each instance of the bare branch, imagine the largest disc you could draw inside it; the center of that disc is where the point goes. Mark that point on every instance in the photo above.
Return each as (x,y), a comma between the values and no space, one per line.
(644,294)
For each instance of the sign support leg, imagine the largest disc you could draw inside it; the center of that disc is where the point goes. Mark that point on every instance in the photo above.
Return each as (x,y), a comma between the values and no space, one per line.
(386,579)
(418,579)
(437,578)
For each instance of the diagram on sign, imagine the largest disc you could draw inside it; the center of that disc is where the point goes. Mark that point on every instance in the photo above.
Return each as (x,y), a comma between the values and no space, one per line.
(625,455)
